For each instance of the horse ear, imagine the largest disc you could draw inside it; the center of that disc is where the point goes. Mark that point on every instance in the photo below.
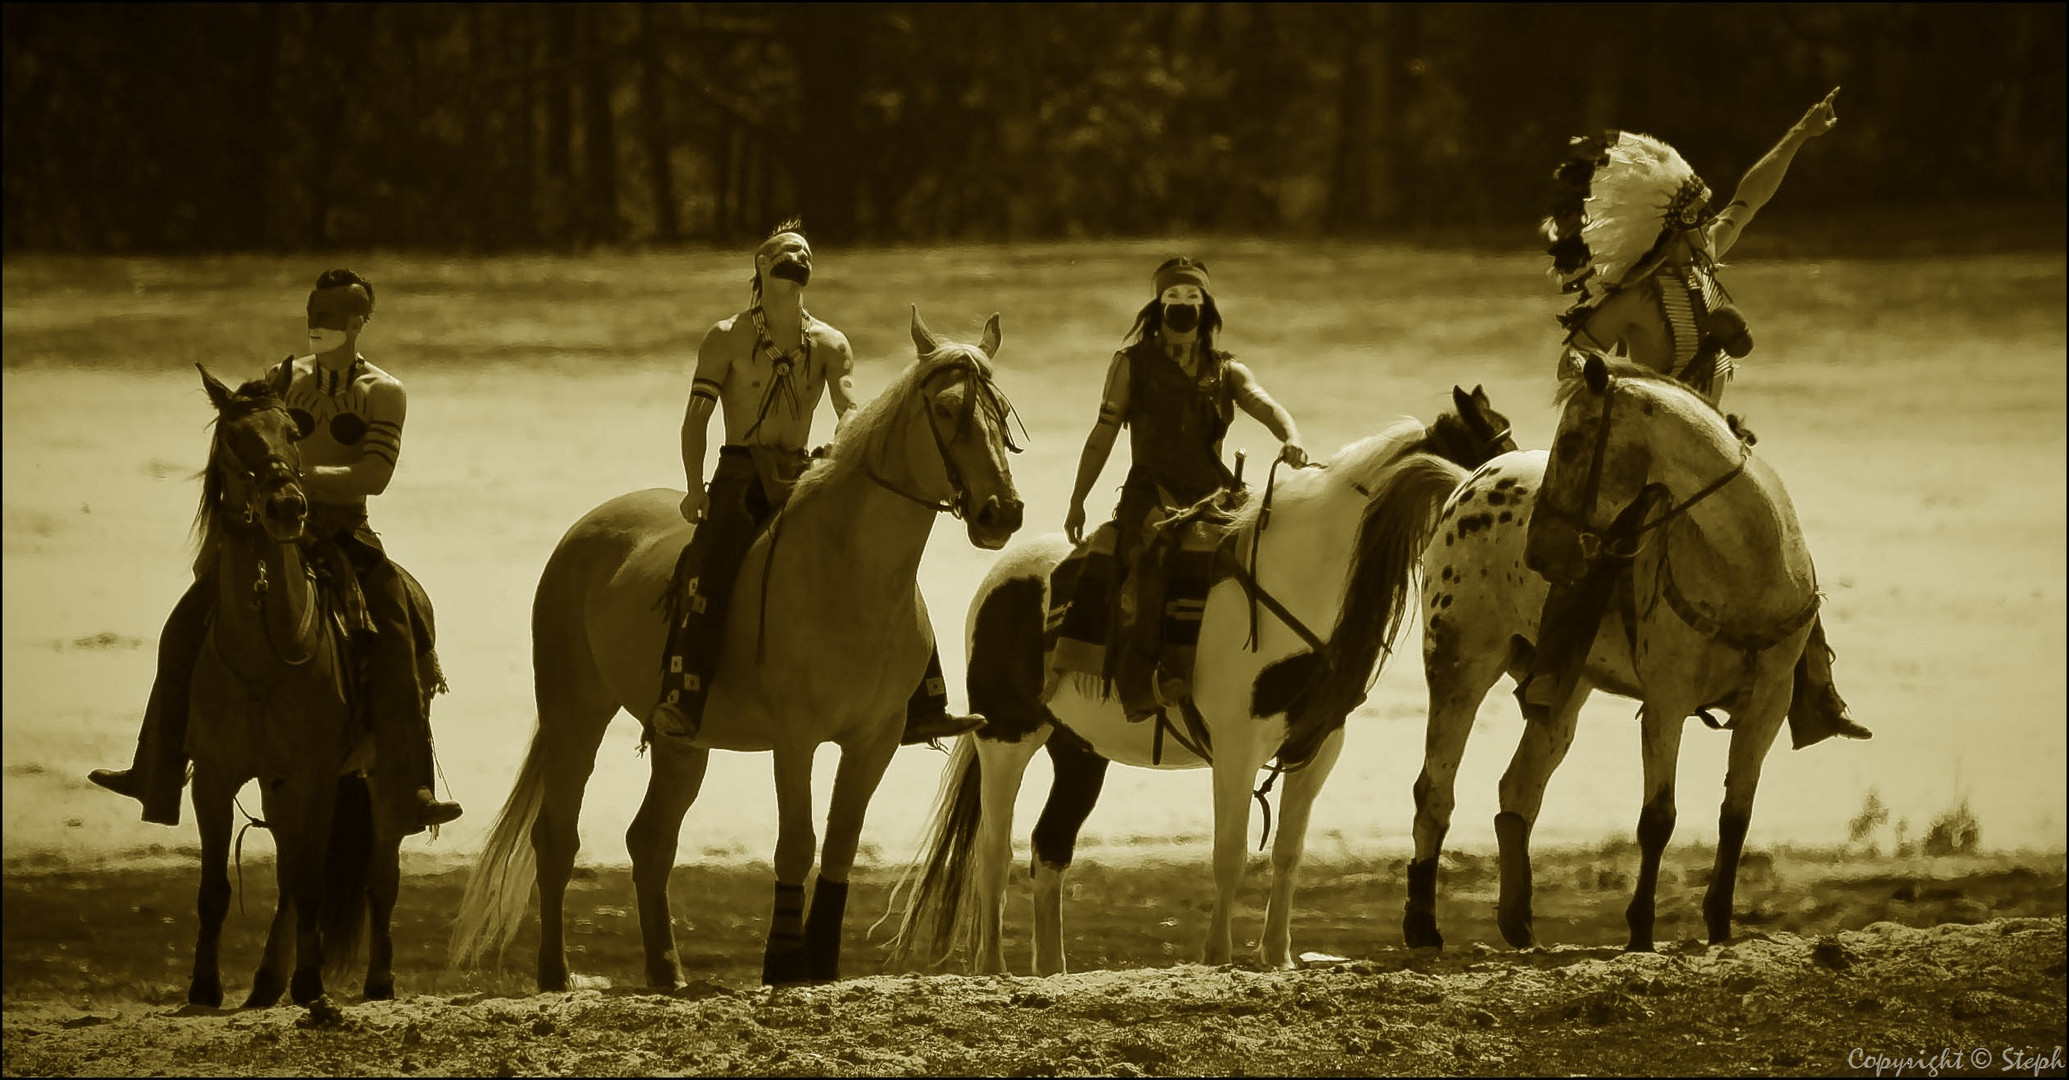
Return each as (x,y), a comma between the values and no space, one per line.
(1480,398)
(1461,402)
(990,344)
(1596,373)
(218,394)
(921,336)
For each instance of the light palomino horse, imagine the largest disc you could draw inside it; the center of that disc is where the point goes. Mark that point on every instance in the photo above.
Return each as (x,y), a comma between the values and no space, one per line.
(1720,602)
(1337,554)
(268,702)
(824,642)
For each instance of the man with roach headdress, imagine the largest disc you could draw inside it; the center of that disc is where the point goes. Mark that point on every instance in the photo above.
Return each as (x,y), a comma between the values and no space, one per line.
(764,369)
(1633,236)
(1176,393)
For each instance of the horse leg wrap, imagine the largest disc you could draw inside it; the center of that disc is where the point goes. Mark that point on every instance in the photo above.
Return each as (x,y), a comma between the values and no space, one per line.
(1717,901)
(823,930)
(783,961)
(1512,836)
(1419,925)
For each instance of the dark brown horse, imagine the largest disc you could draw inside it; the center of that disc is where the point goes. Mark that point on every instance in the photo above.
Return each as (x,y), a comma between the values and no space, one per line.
(270,703)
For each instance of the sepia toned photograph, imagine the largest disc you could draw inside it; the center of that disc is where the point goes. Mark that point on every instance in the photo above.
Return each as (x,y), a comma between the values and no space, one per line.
(938,539)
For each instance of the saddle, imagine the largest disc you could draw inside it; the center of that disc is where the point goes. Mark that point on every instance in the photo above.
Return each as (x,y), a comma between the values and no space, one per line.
(345,604)
(1110,624)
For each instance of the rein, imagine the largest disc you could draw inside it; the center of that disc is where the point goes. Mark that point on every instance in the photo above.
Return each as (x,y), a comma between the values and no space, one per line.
(995,405)
(276,465)
(1590,539)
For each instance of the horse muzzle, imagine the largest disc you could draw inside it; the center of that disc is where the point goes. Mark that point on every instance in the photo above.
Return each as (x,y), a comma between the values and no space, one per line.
(994,523)
(286,514)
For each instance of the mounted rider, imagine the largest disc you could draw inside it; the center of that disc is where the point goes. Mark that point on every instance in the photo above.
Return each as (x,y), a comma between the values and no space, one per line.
(1632,235)
(768,394)
(349,414)
(1176,394)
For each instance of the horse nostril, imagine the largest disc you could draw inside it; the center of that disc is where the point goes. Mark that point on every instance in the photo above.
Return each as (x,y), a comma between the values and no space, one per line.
(1012,514)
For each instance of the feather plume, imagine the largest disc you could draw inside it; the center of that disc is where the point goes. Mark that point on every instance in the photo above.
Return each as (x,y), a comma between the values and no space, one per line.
(1619,192)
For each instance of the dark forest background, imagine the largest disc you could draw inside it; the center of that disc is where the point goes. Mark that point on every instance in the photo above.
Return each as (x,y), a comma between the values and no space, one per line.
(283,127)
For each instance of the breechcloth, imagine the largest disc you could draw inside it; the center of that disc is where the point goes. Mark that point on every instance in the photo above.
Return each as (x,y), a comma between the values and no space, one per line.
(396,699)
(747,489)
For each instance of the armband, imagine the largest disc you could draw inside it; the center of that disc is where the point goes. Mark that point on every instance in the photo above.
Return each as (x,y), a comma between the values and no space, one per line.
(704,388)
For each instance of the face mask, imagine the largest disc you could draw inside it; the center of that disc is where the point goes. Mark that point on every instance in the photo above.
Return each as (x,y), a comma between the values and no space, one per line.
(1182,318)
(323,341)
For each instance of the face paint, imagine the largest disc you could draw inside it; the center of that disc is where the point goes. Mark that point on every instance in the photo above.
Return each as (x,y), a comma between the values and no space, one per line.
(785,256)
(323,341)
(1182,318)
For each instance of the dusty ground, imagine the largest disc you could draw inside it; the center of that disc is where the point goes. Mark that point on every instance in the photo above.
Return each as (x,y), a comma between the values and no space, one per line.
(1884,957)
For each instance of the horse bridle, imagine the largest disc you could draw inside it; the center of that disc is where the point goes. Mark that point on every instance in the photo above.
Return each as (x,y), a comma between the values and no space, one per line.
(1593,541)
(282,472)
(995,405)
(277,466)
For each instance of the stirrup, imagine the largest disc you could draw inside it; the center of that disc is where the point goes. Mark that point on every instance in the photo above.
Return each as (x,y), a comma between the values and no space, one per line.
(945,725)
(669,721)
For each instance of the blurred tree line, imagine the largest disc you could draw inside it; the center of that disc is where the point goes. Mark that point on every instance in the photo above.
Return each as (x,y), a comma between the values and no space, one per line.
(562,126)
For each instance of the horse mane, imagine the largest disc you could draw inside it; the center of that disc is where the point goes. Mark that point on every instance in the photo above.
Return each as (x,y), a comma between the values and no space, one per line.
(1357,465)
(1571,381)
(254,396)
(1398,486)
(851,442)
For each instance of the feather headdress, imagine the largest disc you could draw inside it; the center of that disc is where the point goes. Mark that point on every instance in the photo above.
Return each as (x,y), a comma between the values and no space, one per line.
(1619,192)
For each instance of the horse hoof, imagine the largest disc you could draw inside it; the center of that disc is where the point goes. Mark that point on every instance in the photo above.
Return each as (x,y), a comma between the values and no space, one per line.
(785,969)
(1419,931)
(1517,931)
(381,991)
(1639,945)
(208,992)
(265,993)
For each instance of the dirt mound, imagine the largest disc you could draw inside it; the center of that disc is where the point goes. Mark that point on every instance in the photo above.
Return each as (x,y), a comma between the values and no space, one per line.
(1780,1003)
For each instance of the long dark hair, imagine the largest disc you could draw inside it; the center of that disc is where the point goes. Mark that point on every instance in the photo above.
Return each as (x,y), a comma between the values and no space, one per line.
(1150,320)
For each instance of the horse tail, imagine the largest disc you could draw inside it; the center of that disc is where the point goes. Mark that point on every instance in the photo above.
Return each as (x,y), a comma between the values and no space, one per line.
(499,888)
(345,861)
(1399,521)
(1398,526)
(937,884)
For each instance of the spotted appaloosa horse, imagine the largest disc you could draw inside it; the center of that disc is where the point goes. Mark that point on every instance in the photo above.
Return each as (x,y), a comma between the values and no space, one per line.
(1337,557)
(1713,614)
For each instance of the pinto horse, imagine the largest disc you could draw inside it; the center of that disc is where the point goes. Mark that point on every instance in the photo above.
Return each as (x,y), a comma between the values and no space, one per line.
(269,702)
(1333,552)
(824,642)
(1712,615)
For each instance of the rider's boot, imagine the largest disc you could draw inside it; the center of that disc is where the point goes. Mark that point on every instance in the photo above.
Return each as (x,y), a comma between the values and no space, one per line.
(158,771)
(1560,653)
(1816,710)
(927,718)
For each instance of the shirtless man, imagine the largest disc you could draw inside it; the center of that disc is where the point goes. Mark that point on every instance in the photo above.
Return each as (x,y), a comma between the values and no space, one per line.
(768,393)
(350,416)
(1636,242)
